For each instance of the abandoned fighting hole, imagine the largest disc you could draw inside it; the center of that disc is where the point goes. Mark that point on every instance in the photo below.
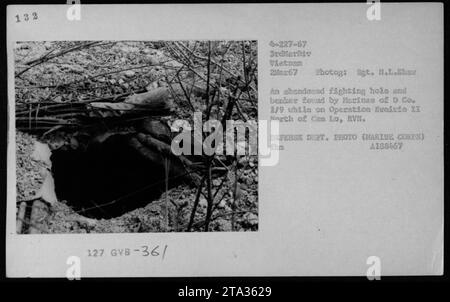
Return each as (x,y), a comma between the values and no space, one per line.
(108,179)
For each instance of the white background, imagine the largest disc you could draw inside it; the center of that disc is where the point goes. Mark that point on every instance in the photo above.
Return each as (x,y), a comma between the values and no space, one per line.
(325,207)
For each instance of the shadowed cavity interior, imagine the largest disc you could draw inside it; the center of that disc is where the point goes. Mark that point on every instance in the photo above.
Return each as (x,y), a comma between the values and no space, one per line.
(107,179)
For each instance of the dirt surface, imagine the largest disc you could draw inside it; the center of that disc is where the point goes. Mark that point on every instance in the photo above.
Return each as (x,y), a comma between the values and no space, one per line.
(30,173)
(60,218)
(111,68)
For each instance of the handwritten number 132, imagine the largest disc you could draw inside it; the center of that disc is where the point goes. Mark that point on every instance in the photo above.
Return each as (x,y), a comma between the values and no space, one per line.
(26,17)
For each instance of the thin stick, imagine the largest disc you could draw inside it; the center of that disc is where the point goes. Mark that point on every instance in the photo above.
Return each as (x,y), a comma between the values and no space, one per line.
(194,208)
(233,204)
(210,199)
(208,79)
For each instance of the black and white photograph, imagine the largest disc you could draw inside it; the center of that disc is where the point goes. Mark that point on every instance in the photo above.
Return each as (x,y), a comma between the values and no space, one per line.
(239,141)
(96,124)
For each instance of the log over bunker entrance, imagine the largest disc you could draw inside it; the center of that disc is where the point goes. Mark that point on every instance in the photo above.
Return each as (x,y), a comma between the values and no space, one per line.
(115,172)
(112,177)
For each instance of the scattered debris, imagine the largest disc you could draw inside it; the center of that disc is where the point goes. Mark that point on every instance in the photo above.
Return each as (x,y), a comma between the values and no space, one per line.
(70,95)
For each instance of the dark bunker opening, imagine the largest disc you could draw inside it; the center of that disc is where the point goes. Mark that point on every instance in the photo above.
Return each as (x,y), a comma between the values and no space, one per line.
(108,179)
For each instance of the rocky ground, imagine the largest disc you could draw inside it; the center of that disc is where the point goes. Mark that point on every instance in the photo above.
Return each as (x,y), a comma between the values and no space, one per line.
(60,218)
(92,73)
